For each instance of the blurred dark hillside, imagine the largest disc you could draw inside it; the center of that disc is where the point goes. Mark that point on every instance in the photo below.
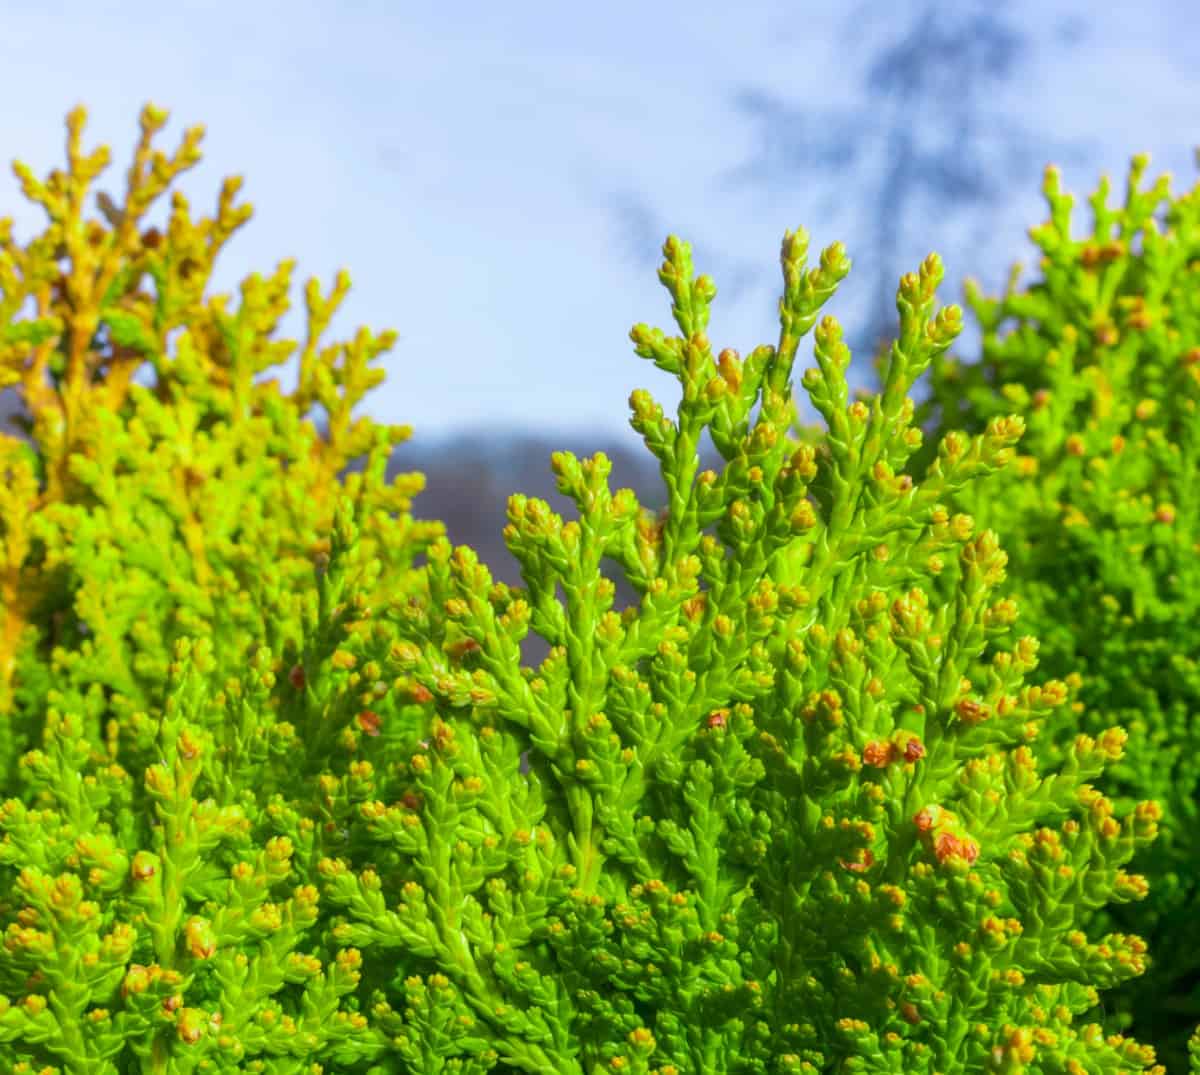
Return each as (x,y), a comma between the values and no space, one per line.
(470,478)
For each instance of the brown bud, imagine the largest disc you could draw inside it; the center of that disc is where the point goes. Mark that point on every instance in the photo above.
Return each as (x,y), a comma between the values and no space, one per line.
(462,647)
(868,860)
(877,754)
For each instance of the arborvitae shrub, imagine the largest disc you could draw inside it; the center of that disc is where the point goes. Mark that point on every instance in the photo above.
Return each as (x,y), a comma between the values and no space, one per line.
(266,814)
(134,515)
(1101,516)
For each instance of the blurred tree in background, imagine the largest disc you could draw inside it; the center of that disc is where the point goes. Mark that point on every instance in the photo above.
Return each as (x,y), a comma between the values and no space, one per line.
(926,154)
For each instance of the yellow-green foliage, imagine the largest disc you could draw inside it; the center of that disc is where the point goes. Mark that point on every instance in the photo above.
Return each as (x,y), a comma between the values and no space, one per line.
(782,814)
(1101,517)
(194,507)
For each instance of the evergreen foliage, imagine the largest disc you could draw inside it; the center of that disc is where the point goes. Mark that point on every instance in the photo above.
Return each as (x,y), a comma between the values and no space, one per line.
(1101,517)
(264,810)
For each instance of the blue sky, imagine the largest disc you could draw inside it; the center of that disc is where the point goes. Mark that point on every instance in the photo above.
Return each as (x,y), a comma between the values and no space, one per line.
(499,178)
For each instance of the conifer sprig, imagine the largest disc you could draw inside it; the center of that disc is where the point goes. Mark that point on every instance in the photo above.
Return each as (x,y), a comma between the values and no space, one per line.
(1101,515)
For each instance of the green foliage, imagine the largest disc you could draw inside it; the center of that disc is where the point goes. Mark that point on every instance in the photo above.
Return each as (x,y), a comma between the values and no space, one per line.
(190,508)
(266,814)
(1101,514)
(137,517)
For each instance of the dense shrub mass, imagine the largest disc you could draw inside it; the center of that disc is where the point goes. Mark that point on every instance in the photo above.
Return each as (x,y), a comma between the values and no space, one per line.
(139,515)
(134,518)
(263,802)
(1101,517)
